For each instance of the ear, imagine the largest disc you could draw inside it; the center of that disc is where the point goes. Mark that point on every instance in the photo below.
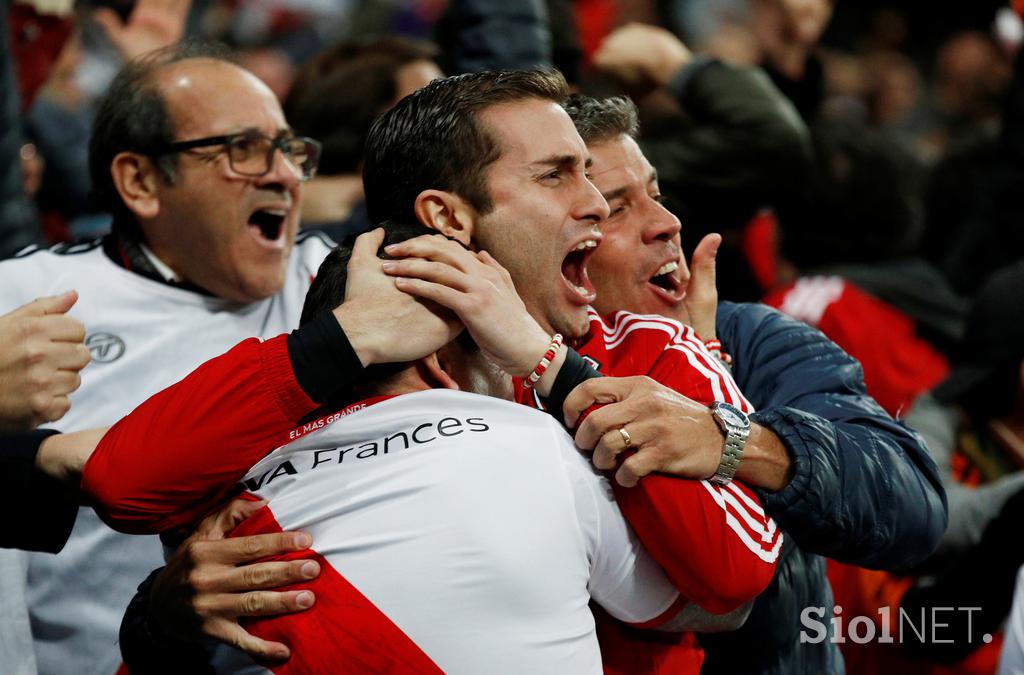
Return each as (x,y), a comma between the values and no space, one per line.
(434,374)
(447,213)
(137,179)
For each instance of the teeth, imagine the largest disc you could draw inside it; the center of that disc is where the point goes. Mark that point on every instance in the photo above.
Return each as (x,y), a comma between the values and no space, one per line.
(579,289)
(585,244)
(667,267)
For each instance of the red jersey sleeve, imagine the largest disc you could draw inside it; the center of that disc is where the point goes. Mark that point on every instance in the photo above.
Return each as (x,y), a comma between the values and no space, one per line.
(716,544)
(166,463)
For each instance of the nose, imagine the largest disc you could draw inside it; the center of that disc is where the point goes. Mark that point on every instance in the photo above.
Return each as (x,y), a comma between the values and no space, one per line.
(282,172)
(659,223)
(590,205)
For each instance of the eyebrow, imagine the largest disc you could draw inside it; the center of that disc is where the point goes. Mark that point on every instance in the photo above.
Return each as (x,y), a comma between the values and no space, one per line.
(560,160)
(619,192)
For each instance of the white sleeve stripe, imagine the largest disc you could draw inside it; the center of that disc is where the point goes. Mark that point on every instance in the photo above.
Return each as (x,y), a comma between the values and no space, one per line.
(757,525)
(768,556)
(698,357)
(737,397)
(716,386)
(758,549)
(615,340)
(751,503)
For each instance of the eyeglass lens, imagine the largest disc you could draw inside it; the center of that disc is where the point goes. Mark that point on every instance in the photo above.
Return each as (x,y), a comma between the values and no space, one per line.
(253,155)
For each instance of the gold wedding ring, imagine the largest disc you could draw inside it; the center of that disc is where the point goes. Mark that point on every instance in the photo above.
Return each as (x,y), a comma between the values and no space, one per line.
(625,437)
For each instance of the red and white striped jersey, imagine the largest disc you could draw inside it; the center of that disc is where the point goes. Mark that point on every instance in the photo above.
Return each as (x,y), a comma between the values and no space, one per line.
(739,544)
(456,533)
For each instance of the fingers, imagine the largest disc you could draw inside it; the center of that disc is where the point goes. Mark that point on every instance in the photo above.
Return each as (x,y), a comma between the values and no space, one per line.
(72,356)
(254,603)
(636,467)
(613,443)
(237,550)
(437,293)
(591,392)
(236,636)
(54,304)
(367,244)
(258,576)
(426,270)
(702,292)
(593,430)
(435,247)
(62,328)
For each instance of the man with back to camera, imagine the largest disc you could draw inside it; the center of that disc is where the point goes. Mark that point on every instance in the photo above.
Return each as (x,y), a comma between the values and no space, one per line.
(440,503)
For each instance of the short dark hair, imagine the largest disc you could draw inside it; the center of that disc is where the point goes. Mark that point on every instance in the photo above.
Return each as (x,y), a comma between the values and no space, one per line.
(328,291)
(433,139)
(605,119)
(337,95)
(132,117)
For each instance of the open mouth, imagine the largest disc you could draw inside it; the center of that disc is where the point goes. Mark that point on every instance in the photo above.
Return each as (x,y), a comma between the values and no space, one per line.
(269,223)
(666,282)
(574,270)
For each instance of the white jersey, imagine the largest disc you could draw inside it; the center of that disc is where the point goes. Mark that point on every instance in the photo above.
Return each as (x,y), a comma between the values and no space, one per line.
(456,533)
(144,336)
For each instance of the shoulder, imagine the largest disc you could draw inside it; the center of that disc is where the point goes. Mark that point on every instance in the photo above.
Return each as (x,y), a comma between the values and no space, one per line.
(57,254)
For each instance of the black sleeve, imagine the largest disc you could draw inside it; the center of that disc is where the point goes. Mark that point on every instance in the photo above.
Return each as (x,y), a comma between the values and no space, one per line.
(575,370)
(323,359)
(146,651)
(43,510)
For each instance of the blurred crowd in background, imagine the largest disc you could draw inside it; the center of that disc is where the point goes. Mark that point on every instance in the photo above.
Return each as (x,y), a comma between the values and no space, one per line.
(868,180)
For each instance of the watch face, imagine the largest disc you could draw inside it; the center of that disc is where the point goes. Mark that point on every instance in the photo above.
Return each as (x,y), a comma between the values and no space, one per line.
(731,415)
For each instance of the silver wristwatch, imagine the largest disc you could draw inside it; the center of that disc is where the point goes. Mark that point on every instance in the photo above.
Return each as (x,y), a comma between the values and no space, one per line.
(736,427)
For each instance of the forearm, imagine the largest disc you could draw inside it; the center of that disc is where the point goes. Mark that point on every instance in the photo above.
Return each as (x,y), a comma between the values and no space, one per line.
(766,462)
(674,517)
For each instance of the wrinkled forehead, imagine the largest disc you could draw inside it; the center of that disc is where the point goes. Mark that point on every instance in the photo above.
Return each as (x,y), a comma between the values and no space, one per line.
(618,163)
(208,96)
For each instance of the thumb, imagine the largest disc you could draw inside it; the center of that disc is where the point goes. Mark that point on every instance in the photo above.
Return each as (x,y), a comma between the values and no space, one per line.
(218,525)
(54,304)
(702,291)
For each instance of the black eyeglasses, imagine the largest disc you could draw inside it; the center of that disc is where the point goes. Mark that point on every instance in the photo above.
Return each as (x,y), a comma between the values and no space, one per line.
(252,154)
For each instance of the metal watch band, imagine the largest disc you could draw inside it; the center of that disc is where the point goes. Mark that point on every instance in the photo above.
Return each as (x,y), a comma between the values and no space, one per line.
(736,428)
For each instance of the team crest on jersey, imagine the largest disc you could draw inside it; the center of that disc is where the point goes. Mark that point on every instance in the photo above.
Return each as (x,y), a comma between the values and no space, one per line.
(105,347)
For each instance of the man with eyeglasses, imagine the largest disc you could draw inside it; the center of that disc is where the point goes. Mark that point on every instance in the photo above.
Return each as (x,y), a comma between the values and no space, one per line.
(193,157)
